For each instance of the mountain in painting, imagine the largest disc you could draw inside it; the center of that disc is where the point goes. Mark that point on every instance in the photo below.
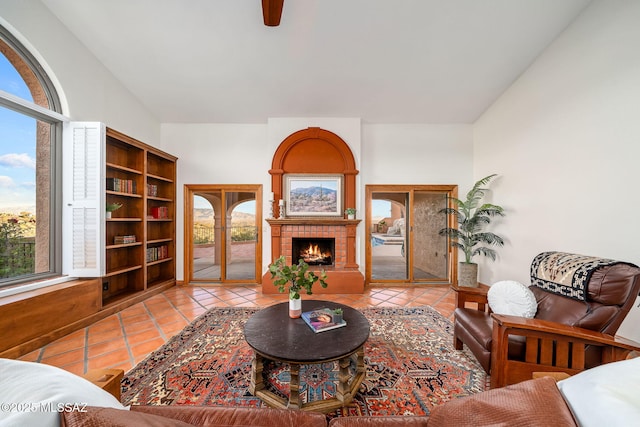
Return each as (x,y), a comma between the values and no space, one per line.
(313,200)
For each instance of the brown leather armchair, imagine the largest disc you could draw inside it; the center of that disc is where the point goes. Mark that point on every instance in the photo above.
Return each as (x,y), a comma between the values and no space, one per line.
(566,335)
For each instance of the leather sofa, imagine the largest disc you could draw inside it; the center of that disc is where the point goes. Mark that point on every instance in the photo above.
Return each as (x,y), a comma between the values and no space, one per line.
(515,405)
(605,395)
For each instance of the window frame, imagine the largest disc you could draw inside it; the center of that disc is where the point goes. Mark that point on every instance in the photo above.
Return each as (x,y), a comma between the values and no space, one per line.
(55,119)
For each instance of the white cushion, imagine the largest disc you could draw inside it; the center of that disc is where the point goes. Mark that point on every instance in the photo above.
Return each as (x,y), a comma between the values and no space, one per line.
(512,298)
(607,395)
(28,389)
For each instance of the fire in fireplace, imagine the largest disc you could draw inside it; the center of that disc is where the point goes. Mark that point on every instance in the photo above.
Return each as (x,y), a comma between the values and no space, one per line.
(313,251)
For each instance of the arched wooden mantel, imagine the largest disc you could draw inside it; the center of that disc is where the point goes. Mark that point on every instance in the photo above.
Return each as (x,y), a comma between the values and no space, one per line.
(317,151)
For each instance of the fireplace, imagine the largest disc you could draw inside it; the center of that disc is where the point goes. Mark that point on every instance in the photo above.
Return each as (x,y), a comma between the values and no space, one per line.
(342,271)
(313,251)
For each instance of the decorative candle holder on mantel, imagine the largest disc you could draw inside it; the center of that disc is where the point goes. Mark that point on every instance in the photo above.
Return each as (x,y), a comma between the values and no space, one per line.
(281,208)
(271,201)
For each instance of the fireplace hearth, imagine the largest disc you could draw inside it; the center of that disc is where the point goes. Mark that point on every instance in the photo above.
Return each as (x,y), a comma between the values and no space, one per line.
(313,251)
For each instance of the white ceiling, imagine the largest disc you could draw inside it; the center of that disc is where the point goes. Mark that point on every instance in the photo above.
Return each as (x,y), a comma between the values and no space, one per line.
(385,61)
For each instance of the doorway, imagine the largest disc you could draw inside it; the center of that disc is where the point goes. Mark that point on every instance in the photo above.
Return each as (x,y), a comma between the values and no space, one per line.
(222,233)
(403,245)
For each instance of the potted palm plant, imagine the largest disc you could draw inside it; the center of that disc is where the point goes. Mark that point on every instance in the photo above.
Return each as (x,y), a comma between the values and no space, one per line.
(472,216)
(297,277)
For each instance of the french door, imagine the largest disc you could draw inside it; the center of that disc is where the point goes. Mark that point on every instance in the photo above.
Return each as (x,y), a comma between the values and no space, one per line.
(222,233)
(403,245)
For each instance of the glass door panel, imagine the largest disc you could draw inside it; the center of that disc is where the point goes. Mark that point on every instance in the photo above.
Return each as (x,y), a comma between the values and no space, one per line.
(207,235)
(429,250)
(403,222)
(388,236)
(241,235)
(223,237)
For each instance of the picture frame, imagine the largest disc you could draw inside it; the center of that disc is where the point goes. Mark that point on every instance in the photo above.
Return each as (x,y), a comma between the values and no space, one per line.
(309,195)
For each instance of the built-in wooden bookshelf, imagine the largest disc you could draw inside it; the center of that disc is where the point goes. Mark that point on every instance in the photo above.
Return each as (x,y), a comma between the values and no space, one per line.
(140,236)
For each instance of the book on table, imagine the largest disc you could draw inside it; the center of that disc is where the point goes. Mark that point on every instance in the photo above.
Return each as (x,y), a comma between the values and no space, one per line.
(321,320)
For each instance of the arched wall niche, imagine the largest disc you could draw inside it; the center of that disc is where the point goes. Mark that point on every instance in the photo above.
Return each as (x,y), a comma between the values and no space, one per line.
(317,151)
(314,151)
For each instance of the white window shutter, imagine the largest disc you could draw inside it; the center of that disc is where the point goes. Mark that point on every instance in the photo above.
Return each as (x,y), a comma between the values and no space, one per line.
(83,166)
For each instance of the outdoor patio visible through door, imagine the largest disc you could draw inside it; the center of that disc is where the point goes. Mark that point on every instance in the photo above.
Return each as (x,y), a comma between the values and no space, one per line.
(403,244)
(222,233)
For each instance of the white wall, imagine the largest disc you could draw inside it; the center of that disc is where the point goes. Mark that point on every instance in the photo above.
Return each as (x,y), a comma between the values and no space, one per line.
(215,154)
(417,154)
(565,141)
(88,90)
(385,154)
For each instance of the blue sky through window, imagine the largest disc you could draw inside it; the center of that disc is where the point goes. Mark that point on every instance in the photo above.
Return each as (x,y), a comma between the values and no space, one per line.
(17,146)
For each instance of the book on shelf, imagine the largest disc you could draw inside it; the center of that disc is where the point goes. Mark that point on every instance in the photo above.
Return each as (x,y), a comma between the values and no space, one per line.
(321,320)
(152,190)
(121,185)
(157,253)
(159,212)
(121,240)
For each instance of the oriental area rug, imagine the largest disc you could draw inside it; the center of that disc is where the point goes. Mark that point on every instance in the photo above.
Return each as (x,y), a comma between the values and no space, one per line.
(410,362)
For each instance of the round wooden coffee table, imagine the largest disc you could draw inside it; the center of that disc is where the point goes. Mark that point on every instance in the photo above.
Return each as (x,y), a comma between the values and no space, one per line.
(273,335)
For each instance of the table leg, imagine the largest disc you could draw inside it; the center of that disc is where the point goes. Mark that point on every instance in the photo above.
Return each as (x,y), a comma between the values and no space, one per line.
(256,383)
(360,367)
(343,393)
(294,386)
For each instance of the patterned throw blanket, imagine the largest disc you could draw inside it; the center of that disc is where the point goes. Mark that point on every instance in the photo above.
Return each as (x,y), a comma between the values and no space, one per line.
(566,274)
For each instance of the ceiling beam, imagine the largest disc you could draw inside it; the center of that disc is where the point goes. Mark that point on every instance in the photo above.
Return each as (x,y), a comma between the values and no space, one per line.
(272,12)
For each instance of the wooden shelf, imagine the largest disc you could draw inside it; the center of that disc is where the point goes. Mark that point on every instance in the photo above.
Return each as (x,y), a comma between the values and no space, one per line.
(150,242)
(147,170)
(160,199)
(123,245)
(160,178)
(159,261)
(123,168)
(123,270)
(160,282)
(121,194)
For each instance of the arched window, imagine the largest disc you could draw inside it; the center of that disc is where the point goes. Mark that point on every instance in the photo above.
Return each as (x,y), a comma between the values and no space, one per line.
(30,167)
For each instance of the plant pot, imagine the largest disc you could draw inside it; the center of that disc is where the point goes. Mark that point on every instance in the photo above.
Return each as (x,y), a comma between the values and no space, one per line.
(351,216)
(468,275)
(295,307)
(336,318)
(108,215)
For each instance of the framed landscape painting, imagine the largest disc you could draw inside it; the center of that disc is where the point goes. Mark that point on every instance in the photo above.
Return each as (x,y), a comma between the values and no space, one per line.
(313,195)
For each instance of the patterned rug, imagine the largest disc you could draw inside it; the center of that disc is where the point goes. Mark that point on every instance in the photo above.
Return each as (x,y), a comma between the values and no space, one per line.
(410,360)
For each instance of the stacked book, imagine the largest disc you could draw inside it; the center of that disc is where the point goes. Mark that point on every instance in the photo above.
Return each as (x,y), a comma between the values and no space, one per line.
(160,212)
(121,185)
(152,190)
(156,253)
(121,240)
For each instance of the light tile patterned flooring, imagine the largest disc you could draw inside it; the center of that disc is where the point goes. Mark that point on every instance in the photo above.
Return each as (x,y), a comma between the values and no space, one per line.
(124,339)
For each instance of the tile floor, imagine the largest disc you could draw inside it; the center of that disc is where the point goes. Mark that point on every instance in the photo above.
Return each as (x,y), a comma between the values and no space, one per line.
(124,339)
